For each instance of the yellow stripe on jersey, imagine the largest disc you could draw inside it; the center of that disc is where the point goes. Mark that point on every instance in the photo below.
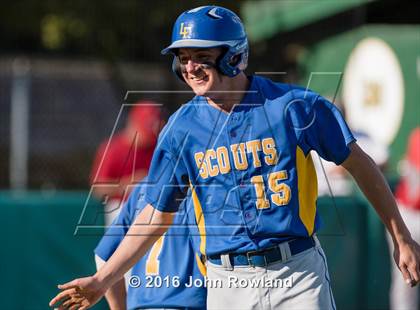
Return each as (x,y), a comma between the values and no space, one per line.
(201,266)
(198,210)
(307,189)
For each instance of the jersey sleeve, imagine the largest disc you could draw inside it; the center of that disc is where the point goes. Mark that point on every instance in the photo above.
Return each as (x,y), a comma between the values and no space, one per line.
(167,174)
(320,126)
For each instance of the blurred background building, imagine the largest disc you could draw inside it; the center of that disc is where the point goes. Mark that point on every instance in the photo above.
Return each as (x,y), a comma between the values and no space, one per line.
(67,68)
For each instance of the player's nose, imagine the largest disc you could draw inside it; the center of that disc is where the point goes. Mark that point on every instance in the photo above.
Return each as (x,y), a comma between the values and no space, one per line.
(191,66)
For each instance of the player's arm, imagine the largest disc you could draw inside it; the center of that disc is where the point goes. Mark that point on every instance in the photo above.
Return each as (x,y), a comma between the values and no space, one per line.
(85,292)
(374,186)
(116,295)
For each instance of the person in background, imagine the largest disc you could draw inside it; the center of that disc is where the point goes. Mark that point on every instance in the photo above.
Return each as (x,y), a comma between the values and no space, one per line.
(124,159)
(407,195)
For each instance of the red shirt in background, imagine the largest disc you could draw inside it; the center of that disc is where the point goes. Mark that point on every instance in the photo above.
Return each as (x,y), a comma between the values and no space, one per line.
(130,151)
(122,159)
(408,190)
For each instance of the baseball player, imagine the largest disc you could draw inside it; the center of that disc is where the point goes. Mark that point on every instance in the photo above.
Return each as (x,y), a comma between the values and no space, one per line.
(170,275)
(241,148)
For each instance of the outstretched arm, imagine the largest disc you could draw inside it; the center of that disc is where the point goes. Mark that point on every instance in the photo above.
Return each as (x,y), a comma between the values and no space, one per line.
(83,293)
(116,295)
(374,186)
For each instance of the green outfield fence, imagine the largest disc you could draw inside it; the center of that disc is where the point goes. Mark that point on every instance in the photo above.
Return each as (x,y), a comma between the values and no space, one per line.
(40,249)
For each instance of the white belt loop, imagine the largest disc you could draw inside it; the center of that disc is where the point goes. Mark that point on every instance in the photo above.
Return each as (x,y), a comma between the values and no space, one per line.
(317,243)
(288,251)
(226,262)
(285,251)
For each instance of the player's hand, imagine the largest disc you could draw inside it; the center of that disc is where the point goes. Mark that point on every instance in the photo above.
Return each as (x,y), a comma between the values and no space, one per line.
(407,258)
(79,294)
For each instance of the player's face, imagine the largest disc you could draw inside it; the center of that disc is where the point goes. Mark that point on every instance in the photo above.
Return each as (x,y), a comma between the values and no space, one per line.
(198,67)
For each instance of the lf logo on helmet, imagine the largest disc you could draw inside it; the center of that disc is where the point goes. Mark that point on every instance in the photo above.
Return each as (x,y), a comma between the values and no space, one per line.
(185,31)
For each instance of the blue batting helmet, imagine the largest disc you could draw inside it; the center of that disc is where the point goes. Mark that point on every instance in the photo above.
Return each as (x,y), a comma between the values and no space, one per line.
(212,26)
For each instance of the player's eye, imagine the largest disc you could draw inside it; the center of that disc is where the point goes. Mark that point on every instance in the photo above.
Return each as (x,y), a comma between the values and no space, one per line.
(183,60)
(203,58)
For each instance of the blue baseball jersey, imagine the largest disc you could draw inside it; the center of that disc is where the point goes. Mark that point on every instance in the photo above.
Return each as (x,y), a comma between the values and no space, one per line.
(249,172)
(171,274)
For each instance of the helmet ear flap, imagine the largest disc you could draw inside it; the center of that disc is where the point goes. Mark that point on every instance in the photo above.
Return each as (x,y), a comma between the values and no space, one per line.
(176,68)
(234,61)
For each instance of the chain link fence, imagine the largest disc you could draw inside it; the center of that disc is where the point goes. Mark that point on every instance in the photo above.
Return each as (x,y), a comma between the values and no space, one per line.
(72,107)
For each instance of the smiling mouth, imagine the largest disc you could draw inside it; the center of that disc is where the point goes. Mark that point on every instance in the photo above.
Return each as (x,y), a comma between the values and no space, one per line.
(200,80)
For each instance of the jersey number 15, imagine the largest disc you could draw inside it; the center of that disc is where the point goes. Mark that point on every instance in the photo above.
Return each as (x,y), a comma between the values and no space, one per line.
(281,191)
